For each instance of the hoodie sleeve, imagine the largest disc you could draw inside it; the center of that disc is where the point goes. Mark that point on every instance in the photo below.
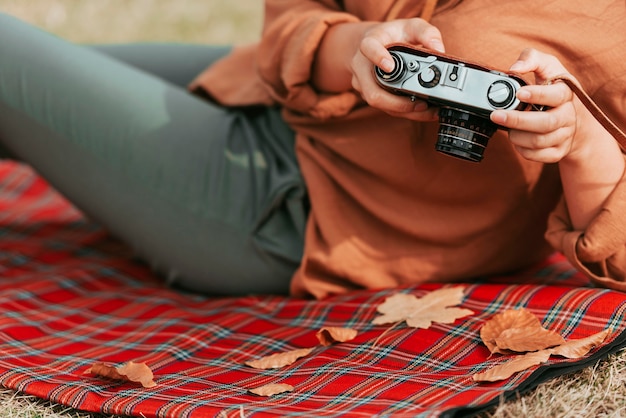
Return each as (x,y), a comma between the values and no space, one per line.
(600,250)
(278,68)
(293,31)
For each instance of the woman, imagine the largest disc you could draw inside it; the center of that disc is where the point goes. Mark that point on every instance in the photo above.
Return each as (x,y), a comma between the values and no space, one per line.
(212,194)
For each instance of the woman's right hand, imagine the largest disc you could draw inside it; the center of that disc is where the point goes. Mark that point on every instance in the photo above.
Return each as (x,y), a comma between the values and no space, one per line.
(347,55)
(372,52)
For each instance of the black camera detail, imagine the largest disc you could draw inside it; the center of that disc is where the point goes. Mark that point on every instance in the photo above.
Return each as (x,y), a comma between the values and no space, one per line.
(430,78)
(465,93)
(394,75)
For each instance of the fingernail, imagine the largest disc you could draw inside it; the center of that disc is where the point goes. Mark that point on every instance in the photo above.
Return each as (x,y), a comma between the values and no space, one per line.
(523,95)
(498,116)
(387,65)
(437,45)
(420,106)
(517,66)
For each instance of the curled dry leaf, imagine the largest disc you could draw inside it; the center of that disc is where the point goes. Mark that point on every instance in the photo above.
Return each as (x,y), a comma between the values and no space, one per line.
(527,339)
(331,335)
(105,370)
(127,372)
(509,368)
(278,360)
(509,319)
(574,349)
(272,389)
(520,331)
(137,372)
(436,306)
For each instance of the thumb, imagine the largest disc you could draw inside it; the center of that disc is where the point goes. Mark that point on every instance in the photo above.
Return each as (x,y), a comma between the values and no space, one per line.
(423,33)
(435,44)
(544,66)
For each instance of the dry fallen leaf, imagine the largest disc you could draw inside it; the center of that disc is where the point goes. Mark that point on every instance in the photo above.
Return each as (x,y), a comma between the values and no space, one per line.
(523,340)
(272,389)
(509,319)
(574,349)
(278,360)
(127,372)
(509,368)
(331,335)
(137,372)
(520,331)
(436,306)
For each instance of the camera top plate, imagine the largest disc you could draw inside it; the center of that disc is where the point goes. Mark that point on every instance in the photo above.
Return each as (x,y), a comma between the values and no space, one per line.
(449,82)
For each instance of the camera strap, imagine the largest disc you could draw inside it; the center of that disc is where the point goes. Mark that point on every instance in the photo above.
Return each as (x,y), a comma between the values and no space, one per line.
(595,110)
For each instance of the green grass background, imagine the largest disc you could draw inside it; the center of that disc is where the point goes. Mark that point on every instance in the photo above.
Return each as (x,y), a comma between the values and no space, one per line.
(197,21)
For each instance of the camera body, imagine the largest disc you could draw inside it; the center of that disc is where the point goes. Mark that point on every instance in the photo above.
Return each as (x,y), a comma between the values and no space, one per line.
(466,94)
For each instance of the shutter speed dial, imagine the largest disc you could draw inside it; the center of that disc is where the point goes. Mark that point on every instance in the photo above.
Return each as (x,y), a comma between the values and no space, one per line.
(398,70)
(430,77)
(501,94)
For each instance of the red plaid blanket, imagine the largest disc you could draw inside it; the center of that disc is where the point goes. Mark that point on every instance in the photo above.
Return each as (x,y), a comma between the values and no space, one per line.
(70,295)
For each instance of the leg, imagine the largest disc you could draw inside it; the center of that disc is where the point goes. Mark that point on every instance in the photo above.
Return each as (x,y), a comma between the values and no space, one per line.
(210,197)
(176,63)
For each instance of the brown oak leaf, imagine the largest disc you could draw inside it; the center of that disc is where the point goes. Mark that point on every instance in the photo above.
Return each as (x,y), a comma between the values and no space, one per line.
(509,319)
(331,335)
(127,372)
(436,306)
(520,331)
(509,368)
(272,389)
(523,340)
(574,349)
(278,360)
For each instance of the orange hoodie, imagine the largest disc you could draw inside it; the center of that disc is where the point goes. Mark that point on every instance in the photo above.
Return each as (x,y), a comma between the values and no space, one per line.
(387,209)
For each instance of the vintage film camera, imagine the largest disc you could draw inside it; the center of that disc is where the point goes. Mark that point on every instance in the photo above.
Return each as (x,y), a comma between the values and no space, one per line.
(466,94)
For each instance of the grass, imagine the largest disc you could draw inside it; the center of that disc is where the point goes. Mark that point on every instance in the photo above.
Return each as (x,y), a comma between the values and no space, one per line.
(16,405)
(594,392)
(599,391)
(197,21)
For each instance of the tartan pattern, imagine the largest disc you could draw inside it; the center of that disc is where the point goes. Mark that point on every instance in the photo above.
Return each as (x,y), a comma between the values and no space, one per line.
(70,295)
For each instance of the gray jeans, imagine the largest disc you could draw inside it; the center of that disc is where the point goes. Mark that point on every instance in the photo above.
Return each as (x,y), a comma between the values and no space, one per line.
(210,197)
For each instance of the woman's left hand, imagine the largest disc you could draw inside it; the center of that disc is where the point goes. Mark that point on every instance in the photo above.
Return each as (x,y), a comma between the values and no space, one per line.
(552,135)
(590,161)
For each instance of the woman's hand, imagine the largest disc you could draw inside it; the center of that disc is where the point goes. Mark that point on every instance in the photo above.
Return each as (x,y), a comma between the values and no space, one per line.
(349,52)
(372,51)
(555,134)
(590,161)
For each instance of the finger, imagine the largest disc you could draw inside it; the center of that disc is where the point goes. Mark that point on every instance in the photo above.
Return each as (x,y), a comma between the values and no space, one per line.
(373,48)
(538,122)
(411,31)
(420,32)
(533,141)
(356,84)
(545,155)
(392,103)
(546,148)
(551,95)
(544,66)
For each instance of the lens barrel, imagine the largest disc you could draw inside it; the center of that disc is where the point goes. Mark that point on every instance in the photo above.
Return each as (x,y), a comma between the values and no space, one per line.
(463,134)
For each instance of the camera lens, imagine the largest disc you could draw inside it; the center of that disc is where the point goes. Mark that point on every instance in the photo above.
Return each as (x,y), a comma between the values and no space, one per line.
(463,134)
